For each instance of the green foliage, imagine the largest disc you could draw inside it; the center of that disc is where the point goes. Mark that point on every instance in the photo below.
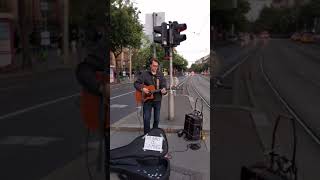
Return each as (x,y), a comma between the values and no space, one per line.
(277,20)
(141,57)
(179,62)
(288,20)
(236,16)
(307,14)
(199,67)
(126,30)
(86,13)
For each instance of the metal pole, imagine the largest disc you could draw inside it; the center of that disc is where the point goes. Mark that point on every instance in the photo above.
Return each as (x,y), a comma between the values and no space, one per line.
(66,31)
(170,96)
(130,65)
(154,44)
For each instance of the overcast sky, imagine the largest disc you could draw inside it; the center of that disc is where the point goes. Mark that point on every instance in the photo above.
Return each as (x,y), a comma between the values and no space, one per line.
(196,14)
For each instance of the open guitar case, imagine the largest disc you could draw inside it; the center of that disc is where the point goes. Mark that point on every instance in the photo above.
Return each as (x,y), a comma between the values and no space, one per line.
(133,162)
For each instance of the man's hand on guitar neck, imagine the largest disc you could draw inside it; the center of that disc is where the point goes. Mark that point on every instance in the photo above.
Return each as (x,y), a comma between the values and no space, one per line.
(145,90)
(163,91)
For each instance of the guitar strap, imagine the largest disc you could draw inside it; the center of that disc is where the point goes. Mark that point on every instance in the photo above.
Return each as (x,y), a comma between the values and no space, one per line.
(142,95)
(158,83)
(142,99)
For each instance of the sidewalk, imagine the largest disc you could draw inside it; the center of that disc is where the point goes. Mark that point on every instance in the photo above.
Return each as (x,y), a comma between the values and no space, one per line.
(190,164)
(183,105)
(194,165)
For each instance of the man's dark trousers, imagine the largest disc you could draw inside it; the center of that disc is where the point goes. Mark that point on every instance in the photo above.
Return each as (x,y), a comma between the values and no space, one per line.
(147,109)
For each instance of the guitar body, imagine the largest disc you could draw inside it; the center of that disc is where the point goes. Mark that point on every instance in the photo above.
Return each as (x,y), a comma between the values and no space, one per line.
(142,97)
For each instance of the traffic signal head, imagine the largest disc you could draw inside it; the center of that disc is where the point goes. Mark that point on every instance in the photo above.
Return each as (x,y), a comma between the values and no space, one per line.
(163,37)
(177,37)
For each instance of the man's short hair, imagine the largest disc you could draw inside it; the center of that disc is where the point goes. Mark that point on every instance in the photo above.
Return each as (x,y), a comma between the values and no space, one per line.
(153,59)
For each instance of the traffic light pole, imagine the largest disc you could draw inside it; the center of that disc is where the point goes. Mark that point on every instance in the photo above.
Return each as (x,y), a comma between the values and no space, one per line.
(154,44)
(171,96)
(168,40)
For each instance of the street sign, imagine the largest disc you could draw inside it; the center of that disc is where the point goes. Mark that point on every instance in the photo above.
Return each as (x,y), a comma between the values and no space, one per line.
(159,18)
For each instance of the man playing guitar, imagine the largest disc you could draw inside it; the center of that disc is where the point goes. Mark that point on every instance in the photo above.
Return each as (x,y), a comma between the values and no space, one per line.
(150,86)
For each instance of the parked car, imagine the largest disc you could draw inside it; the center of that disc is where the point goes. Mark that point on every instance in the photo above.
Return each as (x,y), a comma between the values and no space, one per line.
(317,38)
(307,37)
(264,34)
(296,36)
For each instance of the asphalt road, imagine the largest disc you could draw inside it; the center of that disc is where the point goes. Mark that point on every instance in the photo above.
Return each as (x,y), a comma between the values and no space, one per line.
(122,101)
(231,55)
(198,86)
(293,70)
(41,127)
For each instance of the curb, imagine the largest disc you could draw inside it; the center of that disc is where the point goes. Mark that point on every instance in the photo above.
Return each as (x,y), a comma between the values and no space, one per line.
(115,84)
(120,125)
(134,128)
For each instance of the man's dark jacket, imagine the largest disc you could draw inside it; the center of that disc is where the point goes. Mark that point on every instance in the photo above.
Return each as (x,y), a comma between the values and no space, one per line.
(147,78)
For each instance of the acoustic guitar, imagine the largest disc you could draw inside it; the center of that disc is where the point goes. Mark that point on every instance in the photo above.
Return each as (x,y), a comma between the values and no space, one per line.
(142,97)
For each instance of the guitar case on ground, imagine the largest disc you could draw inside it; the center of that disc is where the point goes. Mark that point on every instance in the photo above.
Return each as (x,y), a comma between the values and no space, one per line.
(132,162)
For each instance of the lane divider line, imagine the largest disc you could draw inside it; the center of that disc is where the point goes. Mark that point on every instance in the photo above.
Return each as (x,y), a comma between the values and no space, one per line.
(37,106)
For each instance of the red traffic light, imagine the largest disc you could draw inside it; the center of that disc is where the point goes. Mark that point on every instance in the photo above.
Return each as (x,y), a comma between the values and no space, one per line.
(181,27)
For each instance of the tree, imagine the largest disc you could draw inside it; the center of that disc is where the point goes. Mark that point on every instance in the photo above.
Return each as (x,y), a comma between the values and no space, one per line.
(225,15)
(179,63)
(240,20)
(140,59)
(277,20)
(126,30)
(87,13)
(308,13)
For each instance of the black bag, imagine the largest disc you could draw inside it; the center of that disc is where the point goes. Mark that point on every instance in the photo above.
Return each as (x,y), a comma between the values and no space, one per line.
(278,167)
(132,162)
(193,123)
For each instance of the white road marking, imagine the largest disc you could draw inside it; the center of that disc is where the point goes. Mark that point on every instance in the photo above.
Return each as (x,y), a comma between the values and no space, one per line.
(118,106)
(121,95)
(49,103)
(37,106)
